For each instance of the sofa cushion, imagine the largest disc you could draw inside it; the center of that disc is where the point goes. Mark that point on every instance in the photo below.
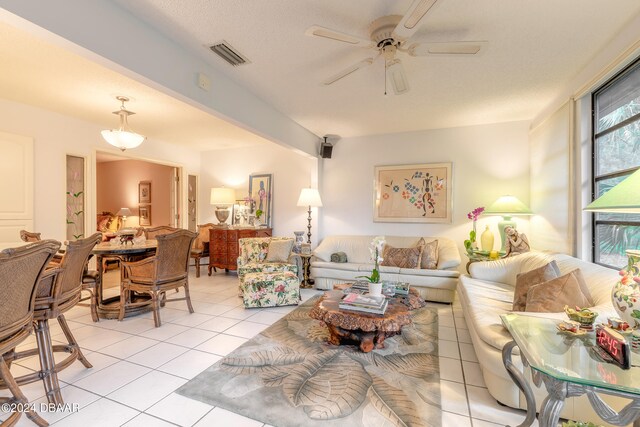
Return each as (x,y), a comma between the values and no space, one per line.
(347,266)
(279,250)
(382,269)
(426,273)
(506,270)
(524,282)
(430,255)
(552,295)
(401,257)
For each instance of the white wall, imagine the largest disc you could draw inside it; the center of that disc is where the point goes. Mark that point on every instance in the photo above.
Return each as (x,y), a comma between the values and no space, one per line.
(488,161)
(552,182)
(55,136)
(291,172)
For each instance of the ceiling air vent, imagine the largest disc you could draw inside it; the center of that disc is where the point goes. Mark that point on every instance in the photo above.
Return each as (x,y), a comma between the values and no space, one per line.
(225,51)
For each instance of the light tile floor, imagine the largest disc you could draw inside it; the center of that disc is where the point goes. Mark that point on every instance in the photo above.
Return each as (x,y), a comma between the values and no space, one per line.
(137,368)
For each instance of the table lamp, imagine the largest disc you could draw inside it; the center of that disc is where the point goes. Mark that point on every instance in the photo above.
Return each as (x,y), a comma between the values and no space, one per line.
(124,213)
(507,206)
(309,197)
(222,198)
(624,198)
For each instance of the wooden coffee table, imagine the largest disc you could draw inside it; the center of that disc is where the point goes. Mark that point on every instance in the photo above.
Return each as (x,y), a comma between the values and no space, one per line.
(369,330)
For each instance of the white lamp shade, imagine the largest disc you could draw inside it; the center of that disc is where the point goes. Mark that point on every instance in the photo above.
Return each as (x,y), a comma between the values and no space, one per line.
(508,206)
(124,212)
(223,196)
(310,197)
(122,139)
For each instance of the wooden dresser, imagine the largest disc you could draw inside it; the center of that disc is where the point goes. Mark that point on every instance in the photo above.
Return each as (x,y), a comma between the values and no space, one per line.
(223,245)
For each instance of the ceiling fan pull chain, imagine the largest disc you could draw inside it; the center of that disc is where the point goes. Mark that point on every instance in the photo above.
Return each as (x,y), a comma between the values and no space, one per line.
(385,77)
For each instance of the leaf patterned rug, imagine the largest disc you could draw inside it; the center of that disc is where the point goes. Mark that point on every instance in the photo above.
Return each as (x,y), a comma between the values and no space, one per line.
(289,376)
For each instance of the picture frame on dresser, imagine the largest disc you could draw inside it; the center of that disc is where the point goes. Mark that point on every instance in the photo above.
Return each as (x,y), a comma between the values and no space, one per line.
(413,193)
(261,192)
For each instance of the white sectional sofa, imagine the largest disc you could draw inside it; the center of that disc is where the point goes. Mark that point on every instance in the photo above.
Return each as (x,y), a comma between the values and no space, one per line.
(434,285)
(487,293)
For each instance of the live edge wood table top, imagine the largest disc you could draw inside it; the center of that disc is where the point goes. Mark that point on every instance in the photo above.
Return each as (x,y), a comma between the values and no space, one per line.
(369,330)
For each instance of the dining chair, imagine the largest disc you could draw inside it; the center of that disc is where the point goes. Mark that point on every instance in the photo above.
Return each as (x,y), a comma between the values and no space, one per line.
(30,237)
(168,269)
(58,291)
(20,273)
(200,246)
(152,233)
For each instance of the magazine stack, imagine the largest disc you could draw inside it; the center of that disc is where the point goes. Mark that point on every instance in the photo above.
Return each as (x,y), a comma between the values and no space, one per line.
(364,303)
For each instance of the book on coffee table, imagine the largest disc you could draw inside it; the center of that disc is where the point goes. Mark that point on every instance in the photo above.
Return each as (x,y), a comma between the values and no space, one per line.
(371,310)
(366,303)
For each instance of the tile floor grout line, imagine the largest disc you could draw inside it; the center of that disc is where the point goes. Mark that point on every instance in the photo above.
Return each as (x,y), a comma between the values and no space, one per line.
(464,378)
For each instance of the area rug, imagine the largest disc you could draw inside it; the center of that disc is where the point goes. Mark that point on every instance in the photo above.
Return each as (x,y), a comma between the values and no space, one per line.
(288,376)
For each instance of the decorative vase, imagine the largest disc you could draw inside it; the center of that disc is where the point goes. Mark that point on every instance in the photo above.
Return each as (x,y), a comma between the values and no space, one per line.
(297,245)
(486,239)
(625,295)
(375,289)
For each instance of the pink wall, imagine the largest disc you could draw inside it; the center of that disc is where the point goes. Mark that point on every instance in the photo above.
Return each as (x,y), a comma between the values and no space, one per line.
(117,187)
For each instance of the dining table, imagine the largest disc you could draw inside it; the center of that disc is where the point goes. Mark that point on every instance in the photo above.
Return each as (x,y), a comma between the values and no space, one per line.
(109,308)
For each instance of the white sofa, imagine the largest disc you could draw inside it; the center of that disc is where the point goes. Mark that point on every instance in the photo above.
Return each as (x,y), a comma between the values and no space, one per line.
(488,292)
(434,285)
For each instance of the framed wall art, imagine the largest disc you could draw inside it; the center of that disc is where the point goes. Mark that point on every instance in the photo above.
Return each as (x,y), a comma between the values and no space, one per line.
(413,193)
(144,192)
(144,212)
(261,192)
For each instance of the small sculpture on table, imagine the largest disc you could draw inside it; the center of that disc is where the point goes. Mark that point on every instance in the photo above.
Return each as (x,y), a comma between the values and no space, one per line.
(517,243)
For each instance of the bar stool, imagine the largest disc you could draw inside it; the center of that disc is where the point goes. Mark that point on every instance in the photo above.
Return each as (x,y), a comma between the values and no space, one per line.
(20,273)
(58,291)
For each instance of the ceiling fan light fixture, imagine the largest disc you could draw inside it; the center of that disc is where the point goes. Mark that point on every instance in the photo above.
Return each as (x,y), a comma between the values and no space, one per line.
(397,77)
(123,138)
(419,8)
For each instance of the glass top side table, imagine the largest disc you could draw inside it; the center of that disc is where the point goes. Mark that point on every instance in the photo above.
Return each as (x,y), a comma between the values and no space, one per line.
(568,365)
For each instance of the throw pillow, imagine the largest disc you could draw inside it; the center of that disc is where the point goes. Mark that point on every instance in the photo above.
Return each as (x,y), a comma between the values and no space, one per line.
(552,295)
(279,250)
(401,257)
(524,281)
(429,255)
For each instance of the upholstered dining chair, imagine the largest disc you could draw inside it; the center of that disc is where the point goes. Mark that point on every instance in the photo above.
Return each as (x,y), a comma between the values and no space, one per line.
(168,269)
(20,272)
(58,291)
(200,246)
(30,237)
(152,233)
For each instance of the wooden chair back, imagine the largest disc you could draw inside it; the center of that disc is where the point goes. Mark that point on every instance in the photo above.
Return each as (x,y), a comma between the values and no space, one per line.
(203,236)
(29,237)
(172,255)
(67,282)
(20,271)
(153,233)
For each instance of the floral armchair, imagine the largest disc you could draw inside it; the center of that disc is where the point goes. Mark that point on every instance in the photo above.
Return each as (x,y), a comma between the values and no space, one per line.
(254,257)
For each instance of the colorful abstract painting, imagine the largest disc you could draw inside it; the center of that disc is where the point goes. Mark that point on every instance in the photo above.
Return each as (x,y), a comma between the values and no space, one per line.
(413,193)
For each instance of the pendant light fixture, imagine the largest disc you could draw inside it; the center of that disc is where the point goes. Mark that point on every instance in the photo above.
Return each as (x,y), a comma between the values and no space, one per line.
(123,137)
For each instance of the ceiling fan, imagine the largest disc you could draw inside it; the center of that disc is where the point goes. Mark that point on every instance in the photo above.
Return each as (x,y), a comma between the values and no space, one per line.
(390,35)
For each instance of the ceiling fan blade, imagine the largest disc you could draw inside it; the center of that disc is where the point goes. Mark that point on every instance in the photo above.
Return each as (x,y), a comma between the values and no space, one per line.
(447,48)
(328,33)
(410,22)
(348,71)
(397,77)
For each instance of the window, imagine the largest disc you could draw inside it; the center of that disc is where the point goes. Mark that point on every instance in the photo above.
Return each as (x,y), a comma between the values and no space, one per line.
(616,155)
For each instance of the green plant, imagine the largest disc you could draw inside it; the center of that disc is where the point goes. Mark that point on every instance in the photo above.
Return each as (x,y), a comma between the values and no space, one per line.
(375,248)
(259,213)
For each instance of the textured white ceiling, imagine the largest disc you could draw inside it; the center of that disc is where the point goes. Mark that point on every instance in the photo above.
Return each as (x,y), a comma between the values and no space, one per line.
(39,73)
(535,48)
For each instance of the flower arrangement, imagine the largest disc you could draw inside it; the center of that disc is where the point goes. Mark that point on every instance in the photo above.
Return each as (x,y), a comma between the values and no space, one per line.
(375,249)
(470,244)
